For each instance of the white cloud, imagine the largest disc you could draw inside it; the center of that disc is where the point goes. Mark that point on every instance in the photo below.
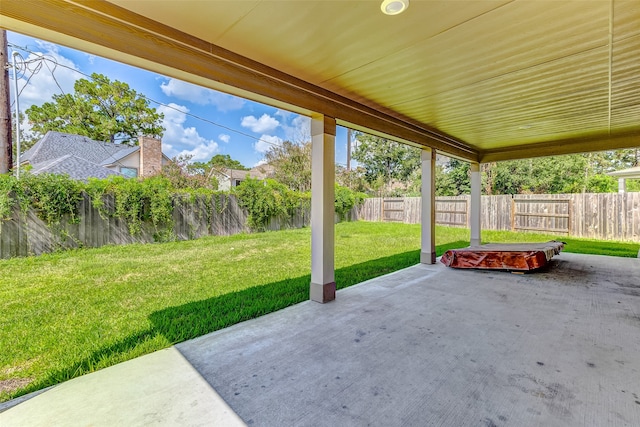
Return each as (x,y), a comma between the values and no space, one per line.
(177,136)
(299,130)
(201,153)
(200,95)
(266,142)
(284,114)
(266,123)
(44,84)
(224,138)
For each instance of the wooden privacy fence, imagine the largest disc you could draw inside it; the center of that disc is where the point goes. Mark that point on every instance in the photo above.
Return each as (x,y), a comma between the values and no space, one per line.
(541,215)
(605,216)
(26,234)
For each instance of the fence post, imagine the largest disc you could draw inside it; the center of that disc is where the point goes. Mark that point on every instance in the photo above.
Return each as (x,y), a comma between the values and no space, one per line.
(569,216)
(466,211)
(513,213)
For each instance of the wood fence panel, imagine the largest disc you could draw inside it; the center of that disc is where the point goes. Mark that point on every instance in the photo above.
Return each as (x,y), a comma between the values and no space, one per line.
(452,211)
(371,209)
(541,213)
(227,217)
(393,209)
(413,210)
(599,216)
(191,217)
(605,216)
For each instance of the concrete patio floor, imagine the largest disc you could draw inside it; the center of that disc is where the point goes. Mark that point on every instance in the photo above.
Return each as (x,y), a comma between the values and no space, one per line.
(425,346)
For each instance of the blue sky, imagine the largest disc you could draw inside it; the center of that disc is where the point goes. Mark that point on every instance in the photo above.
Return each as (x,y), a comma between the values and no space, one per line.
(247,128)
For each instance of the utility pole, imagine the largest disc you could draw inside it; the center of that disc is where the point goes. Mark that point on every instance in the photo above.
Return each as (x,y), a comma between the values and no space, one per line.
(6,146)
(348,149)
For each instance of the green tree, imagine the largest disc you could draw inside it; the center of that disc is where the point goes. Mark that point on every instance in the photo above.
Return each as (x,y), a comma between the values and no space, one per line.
(453,179)
(386,161)
(182,175)
(217,162)
(633,185)
(551,175)
(291,163)
(225,161)
(573,173)
(99,109)
(27,137)
(353,179)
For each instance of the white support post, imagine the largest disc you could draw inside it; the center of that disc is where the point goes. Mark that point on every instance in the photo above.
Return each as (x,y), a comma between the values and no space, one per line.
(323,138)
(476,200)
(622,185)
(428,219)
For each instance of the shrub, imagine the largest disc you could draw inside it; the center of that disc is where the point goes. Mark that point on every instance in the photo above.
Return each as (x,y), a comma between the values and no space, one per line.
(267,199)
(137,201)
(264,200)
(51,196)
(346,200)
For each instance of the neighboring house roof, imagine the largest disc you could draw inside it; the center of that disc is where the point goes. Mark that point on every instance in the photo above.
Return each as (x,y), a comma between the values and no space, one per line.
(78,156)
(58,144)
(75,167)
(119,155)
(239,174)
(266,169)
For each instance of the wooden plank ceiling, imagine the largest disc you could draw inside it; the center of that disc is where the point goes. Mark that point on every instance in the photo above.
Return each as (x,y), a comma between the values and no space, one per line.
(482,80)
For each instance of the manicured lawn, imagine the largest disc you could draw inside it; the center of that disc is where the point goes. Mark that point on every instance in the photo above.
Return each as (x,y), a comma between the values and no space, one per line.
(69,313)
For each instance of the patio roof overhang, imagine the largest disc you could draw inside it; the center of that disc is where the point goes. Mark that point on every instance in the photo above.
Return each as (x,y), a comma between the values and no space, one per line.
(631,173)
(482,81)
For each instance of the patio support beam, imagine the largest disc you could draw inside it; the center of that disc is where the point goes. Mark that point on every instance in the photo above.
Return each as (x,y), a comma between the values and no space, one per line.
(622,185)
(323,138)
(560,147)
(428,220)
(476,200)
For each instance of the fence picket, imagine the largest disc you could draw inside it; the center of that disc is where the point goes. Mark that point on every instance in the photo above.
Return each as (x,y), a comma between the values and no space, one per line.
(606,216)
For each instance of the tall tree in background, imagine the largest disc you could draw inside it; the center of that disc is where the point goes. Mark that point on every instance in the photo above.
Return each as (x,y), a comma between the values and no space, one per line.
(99,109)
(386,161)
(354,179)
(574,173)
(225,161)
(291,163)
(453,179)
(219,163)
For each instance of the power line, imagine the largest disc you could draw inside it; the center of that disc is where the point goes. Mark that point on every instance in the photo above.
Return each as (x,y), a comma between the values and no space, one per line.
(44,59)
(19,65)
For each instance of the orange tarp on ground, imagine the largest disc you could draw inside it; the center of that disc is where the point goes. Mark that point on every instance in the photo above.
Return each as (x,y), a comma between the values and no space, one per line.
(503,256)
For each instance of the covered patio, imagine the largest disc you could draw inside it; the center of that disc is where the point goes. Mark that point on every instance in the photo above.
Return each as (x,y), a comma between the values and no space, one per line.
(424,346)
(481,81)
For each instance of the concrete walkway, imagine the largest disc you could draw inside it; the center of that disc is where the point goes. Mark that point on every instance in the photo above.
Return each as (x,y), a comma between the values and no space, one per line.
(420,347)
(160,389)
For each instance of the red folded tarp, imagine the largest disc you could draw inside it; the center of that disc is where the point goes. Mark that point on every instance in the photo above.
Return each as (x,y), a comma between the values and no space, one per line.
(503,256)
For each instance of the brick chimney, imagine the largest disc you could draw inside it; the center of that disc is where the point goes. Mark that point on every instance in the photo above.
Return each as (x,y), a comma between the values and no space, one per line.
(150,155)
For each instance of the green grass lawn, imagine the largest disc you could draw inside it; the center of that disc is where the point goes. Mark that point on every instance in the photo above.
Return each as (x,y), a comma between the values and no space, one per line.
(69,313)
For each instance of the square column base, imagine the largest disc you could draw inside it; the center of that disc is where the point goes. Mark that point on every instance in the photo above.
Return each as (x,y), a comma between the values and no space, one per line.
(427,257)
(323,293)
(474,242)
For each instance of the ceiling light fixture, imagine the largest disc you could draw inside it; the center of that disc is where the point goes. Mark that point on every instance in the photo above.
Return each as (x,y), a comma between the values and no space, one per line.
(394,7)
